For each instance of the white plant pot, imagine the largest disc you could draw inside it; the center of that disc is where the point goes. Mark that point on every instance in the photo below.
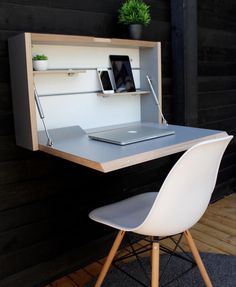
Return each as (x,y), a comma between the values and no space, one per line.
(40,65)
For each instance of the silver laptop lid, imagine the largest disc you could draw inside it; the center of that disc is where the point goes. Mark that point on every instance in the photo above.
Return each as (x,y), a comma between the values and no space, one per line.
(130,134)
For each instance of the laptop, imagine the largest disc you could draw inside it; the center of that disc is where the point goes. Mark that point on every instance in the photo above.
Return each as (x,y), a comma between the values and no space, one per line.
(130,134)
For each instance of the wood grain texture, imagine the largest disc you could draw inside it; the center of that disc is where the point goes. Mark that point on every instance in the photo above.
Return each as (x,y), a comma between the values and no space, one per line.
(35,187)
(185,61)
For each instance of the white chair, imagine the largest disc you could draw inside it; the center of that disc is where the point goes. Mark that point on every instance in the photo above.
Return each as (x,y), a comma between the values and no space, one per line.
(179,204)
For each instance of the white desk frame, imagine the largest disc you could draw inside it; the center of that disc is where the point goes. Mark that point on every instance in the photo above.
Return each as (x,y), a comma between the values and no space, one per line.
(70,141)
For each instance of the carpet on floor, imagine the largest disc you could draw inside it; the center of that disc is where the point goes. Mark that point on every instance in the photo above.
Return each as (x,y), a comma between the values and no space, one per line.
(221,269)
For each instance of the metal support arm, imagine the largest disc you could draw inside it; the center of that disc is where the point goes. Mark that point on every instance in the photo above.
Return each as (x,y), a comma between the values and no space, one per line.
(41,114)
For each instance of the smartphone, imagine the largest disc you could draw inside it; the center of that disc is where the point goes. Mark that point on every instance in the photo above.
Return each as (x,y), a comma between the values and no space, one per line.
(105,81)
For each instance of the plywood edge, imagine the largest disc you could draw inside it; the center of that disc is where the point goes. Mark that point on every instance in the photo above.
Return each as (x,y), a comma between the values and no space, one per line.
(58,39)
(32,107)
(71,157)
(38,38)
(130,160)
(154,154)
(135,43)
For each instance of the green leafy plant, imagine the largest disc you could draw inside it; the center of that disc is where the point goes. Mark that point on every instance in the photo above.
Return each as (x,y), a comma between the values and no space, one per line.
(134,12)
(39,57)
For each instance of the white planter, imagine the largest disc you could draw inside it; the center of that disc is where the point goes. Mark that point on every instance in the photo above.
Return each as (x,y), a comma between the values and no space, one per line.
(40,65)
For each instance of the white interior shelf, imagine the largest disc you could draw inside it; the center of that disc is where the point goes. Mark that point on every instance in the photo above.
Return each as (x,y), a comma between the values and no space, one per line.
(69,72)
(124,93)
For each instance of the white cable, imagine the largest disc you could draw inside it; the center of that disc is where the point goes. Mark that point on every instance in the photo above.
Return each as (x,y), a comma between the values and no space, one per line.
(156,100)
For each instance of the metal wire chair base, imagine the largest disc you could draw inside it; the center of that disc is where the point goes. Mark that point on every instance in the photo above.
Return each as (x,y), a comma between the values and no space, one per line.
(132,238)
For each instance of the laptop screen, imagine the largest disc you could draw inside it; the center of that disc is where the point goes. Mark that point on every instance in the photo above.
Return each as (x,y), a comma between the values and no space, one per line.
(130,134)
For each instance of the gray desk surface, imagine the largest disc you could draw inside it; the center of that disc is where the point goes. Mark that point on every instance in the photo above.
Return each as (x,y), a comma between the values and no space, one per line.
(73,143)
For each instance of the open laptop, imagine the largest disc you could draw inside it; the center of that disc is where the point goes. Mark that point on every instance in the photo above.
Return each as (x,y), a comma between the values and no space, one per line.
(130,134)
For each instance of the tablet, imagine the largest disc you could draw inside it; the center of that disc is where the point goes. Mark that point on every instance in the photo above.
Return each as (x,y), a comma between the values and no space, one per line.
(122,72)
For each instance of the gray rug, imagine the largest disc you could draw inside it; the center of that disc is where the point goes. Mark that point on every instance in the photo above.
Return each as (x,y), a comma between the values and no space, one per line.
(221,269)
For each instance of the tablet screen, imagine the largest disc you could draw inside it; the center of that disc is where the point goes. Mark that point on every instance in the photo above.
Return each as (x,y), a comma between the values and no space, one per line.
(122,72)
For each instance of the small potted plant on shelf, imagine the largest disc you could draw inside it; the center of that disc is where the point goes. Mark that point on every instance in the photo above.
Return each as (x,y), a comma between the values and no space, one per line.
(134,14)
(40,62)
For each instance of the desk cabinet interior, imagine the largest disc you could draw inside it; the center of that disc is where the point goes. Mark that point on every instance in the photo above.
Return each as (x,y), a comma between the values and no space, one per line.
(69,90)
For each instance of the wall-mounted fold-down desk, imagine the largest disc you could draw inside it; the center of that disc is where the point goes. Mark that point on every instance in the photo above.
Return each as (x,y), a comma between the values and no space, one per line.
(73,143)
(70,96)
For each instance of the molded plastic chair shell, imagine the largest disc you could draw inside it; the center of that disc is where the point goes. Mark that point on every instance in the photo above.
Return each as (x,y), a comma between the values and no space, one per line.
(181,201)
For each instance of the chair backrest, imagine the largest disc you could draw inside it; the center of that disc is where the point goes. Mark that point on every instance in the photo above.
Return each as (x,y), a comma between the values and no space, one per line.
(186,191)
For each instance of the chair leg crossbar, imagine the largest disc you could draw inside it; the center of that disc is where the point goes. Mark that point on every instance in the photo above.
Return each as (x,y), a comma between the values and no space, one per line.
(154,245)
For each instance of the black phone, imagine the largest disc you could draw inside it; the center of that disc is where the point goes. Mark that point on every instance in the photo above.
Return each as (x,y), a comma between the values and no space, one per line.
(105,81)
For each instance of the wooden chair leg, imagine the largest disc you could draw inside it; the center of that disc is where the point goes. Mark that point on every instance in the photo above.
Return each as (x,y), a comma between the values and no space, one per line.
(155,264)
(109,258)
(197,258)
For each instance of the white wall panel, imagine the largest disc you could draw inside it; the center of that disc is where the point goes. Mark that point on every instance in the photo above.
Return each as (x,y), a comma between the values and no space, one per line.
(73,100)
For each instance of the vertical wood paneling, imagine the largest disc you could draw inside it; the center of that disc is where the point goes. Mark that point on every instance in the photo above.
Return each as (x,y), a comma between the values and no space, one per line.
(43,207)
(39,193)
(216,84)
(184,55)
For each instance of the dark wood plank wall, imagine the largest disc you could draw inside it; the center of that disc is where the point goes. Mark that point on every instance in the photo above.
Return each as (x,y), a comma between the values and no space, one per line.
(184,61)
(44,227)
(217,79)
(44,230)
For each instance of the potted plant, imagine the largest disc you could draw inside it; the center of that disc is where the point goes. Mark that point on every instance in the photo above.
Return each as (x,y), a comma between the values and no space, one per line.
(135,14)
(40,62)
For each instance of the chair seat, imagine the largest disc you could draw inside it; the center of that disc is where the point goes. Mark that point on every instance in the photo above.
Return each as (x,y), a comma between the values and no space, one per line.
(126,214)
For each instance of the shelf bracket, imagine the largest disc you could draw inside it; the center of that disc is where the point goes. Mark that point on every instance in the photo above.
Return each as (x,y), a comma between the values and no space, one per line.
(70,73)
(41,114)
